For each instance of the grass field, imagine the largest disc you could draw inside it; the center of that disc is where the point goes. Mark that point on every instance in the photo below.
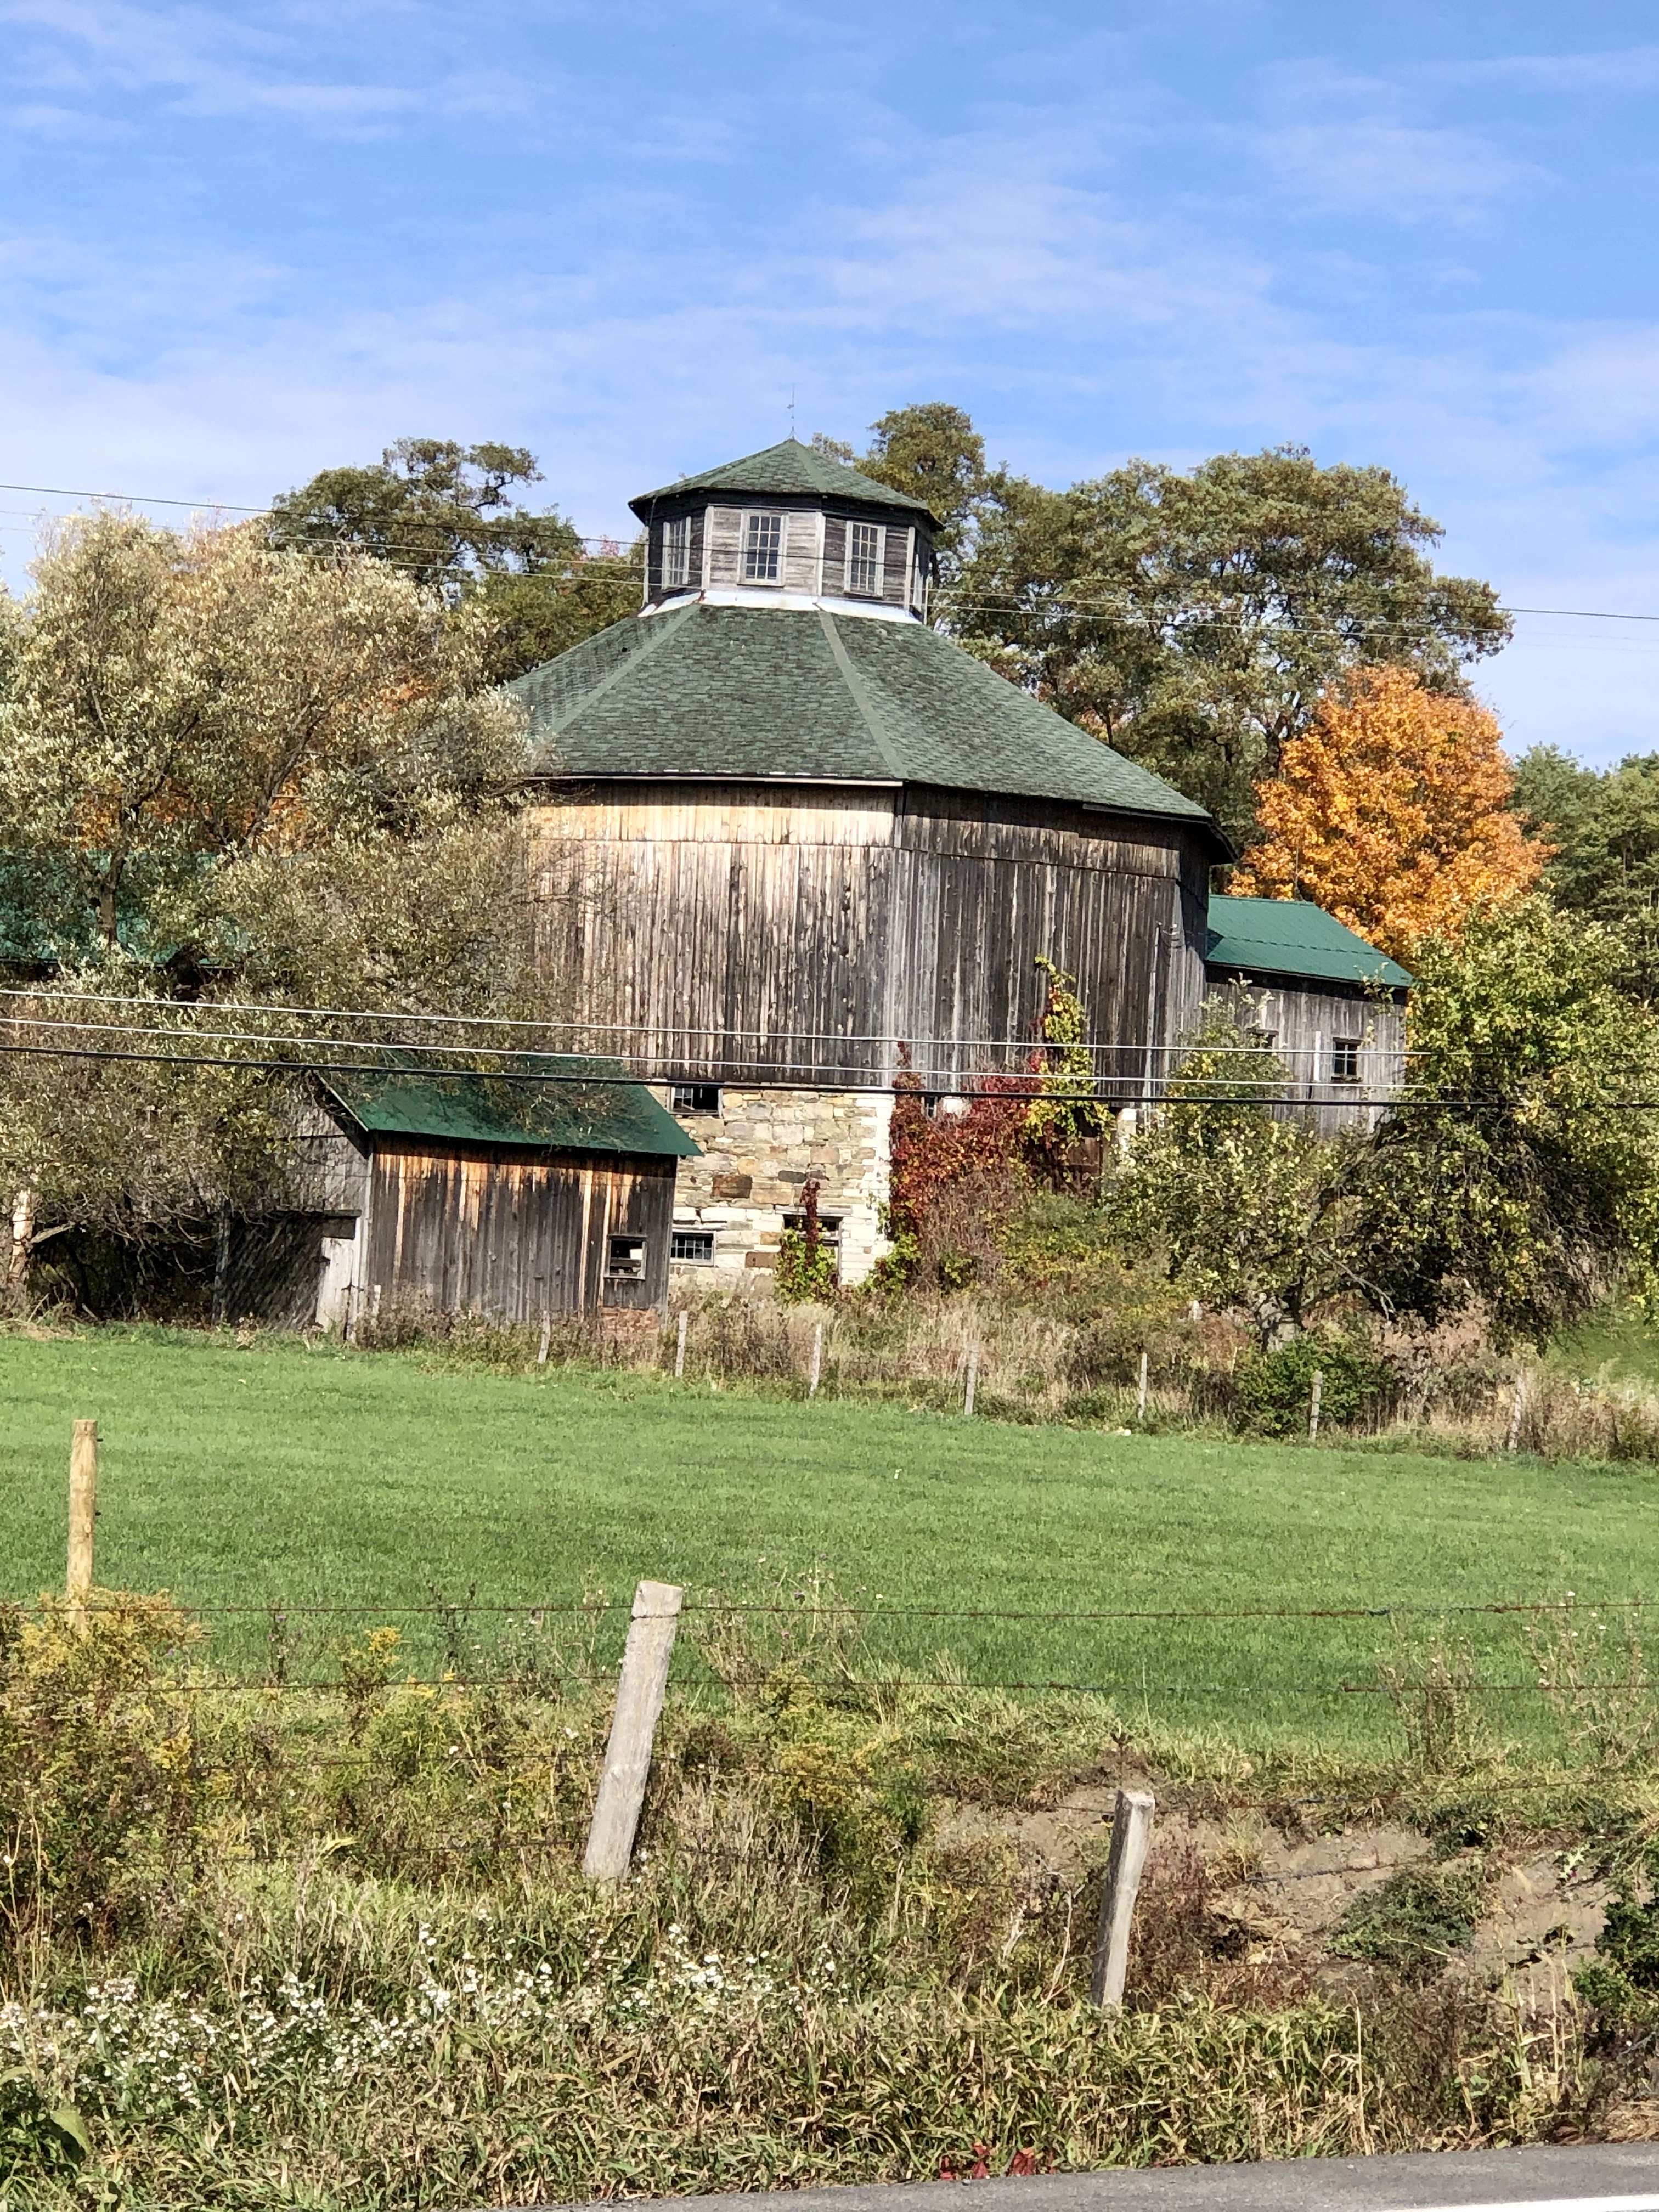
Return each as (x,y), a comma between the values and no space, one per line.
(238,1478)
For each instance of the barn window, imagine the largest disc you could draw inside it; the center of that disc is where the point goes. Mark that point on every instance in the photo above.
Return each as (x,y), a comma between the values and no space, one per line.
(864,550)
(696,1098)
(626,1259)
(762,548)
(696,1245)
(829,1227)
(1345,1059)
(677,552)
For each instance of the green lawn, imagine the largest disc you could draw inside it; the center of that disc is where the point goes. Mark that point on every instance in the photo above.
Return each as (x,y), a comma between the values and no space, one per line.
(237,1477)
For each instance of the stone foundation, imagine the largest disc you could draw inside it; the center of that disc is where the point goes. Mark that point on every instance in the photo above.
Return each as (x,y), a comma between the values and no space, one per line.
(758,1151)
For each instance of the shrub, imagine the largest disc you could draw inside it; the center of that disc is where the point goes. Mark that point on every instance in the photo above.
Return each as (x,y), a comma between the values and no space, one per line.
(1275,1389)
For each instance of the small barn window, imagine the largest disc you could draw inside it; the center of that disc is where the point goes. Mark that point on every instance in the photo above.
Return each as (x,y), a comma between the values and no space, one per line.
(696,1245)
(864,555)
(762,548)
(677,552)
(626,1260)
(696,1098)
(829,1227)
(1345,1059)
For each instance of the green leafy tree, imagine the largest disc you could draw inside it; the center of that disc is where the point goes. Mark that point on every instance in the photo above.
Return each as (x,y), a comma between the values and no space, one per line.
(933,453)
(1247,1210)
(230,771)
(1193,620)
(446,514)
(1517,1178)
(175,704)
(1605,828)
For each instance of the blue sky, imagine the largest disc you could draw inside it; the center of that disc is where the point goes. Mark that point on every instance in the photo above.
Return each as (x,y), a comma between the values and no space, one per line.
(240,243)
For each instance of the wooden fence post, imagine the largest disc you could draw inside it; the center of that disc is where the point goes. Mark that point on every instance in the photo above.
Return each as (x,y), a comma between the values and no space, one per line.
(679,1346)
(967,1394)
(640,1691)
(82,1515)
(1141,1398)
(1513,1441)
(816,1374)
(1132,1832)
(1313,1405)
(546,1338)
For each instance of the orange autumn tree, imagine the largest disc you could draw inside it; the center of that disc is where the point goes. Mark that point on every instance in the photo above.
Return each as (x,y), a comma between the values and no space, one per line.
(1392,812)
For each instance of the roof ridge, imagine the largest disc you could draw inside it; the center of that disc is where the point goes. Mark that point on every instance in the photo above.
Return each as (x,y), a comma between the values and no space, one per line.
(663,626)
(861,698)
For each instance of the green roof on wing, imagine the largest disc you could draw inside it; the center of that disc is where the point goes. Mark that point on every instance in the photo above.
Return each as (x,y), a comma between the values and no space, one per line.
(807,696)
(1292,937)
(788,471)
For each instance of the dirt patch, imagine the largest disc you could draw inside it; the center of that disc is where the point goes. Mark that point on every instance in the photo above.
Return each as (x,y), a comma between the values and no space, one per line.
(1281,1895)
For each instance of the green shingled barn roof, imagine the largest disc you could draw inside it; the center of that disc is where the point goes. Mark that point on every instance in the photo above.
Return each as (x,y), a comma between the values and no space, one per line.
(790,470)
(1292,937)
(805,696)
(580,1113)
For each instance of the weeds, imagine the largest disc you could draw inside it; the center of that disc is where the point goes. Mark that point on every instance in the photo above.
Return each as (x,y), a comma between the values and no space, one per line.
(334,1943)
(1595,1677)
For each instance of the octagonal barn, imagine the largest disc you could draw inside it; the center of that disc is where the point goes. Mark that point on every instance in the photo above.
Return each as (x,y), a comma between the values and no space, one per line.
(790,839)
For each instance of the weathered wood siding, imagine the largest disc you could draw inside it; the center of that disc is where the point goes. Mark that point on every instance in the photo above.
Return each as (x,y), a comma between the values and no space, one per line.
(814,559)
(805,932)
(802,551)
(514,1235)
(1306,1022)
(725,525)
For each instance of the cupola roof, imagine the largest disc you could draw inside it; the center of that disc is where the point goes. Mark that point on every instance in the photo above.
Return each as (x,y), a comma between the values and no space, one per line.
(789,468)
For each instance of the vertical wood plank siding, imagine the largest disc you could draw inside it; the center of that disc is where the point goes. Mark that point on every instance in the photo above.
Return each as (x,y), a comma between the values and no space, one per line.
(785,929)
(800,551)
(835,555)
(895,564)
(512,1235)
(1305,1023)
(724,534)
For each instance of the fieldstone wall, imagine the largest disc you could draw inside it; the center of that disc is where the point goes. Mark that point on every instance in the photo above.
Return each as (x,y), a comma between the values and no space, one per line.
(758,1151)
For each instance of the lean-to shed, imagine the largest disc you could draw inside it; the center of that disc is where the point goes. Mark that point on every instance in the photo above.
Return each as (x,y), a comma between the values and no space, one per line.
(513,1194)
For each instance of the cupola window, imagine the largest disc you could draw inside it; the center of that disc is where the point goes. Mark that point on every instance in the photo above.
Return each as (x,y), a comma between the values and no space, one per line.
(762,548)
(864,550)
(677,552)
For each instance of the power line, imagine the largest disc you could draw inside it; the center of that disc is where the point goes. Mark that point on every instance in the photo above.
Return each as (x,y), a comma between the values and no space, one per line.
(986,598)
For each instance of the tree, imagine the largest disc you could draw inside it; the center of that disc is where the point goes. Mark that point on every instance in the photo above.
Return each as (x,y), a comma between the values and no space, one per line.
(176,704)
(1245,1209)
(1604,828)
(1392,812)
(138,1146)
(444,513)
(1194,620)
(227,770)
(1518,1175)
(933,453)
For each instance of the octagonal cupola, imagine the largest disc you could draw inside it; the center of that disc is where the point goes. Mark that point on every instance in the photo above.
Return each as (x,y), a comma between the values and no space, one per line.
(789,527)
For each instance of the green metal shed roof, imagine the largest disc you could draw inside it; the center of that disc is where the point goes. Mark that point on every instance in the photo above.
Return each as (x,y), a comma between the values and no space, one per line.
(1293,937)
(577,1113)
(804,695)
(789,468)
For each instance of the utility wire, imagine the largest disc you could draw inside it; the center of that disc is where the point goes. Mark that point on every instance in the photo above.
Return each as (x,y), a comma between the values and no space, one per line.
(984,597)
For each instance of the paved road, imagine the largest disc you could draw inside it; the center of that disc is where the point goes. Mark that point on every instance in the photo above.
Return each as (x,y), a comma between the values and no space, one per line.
(1599,2177)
